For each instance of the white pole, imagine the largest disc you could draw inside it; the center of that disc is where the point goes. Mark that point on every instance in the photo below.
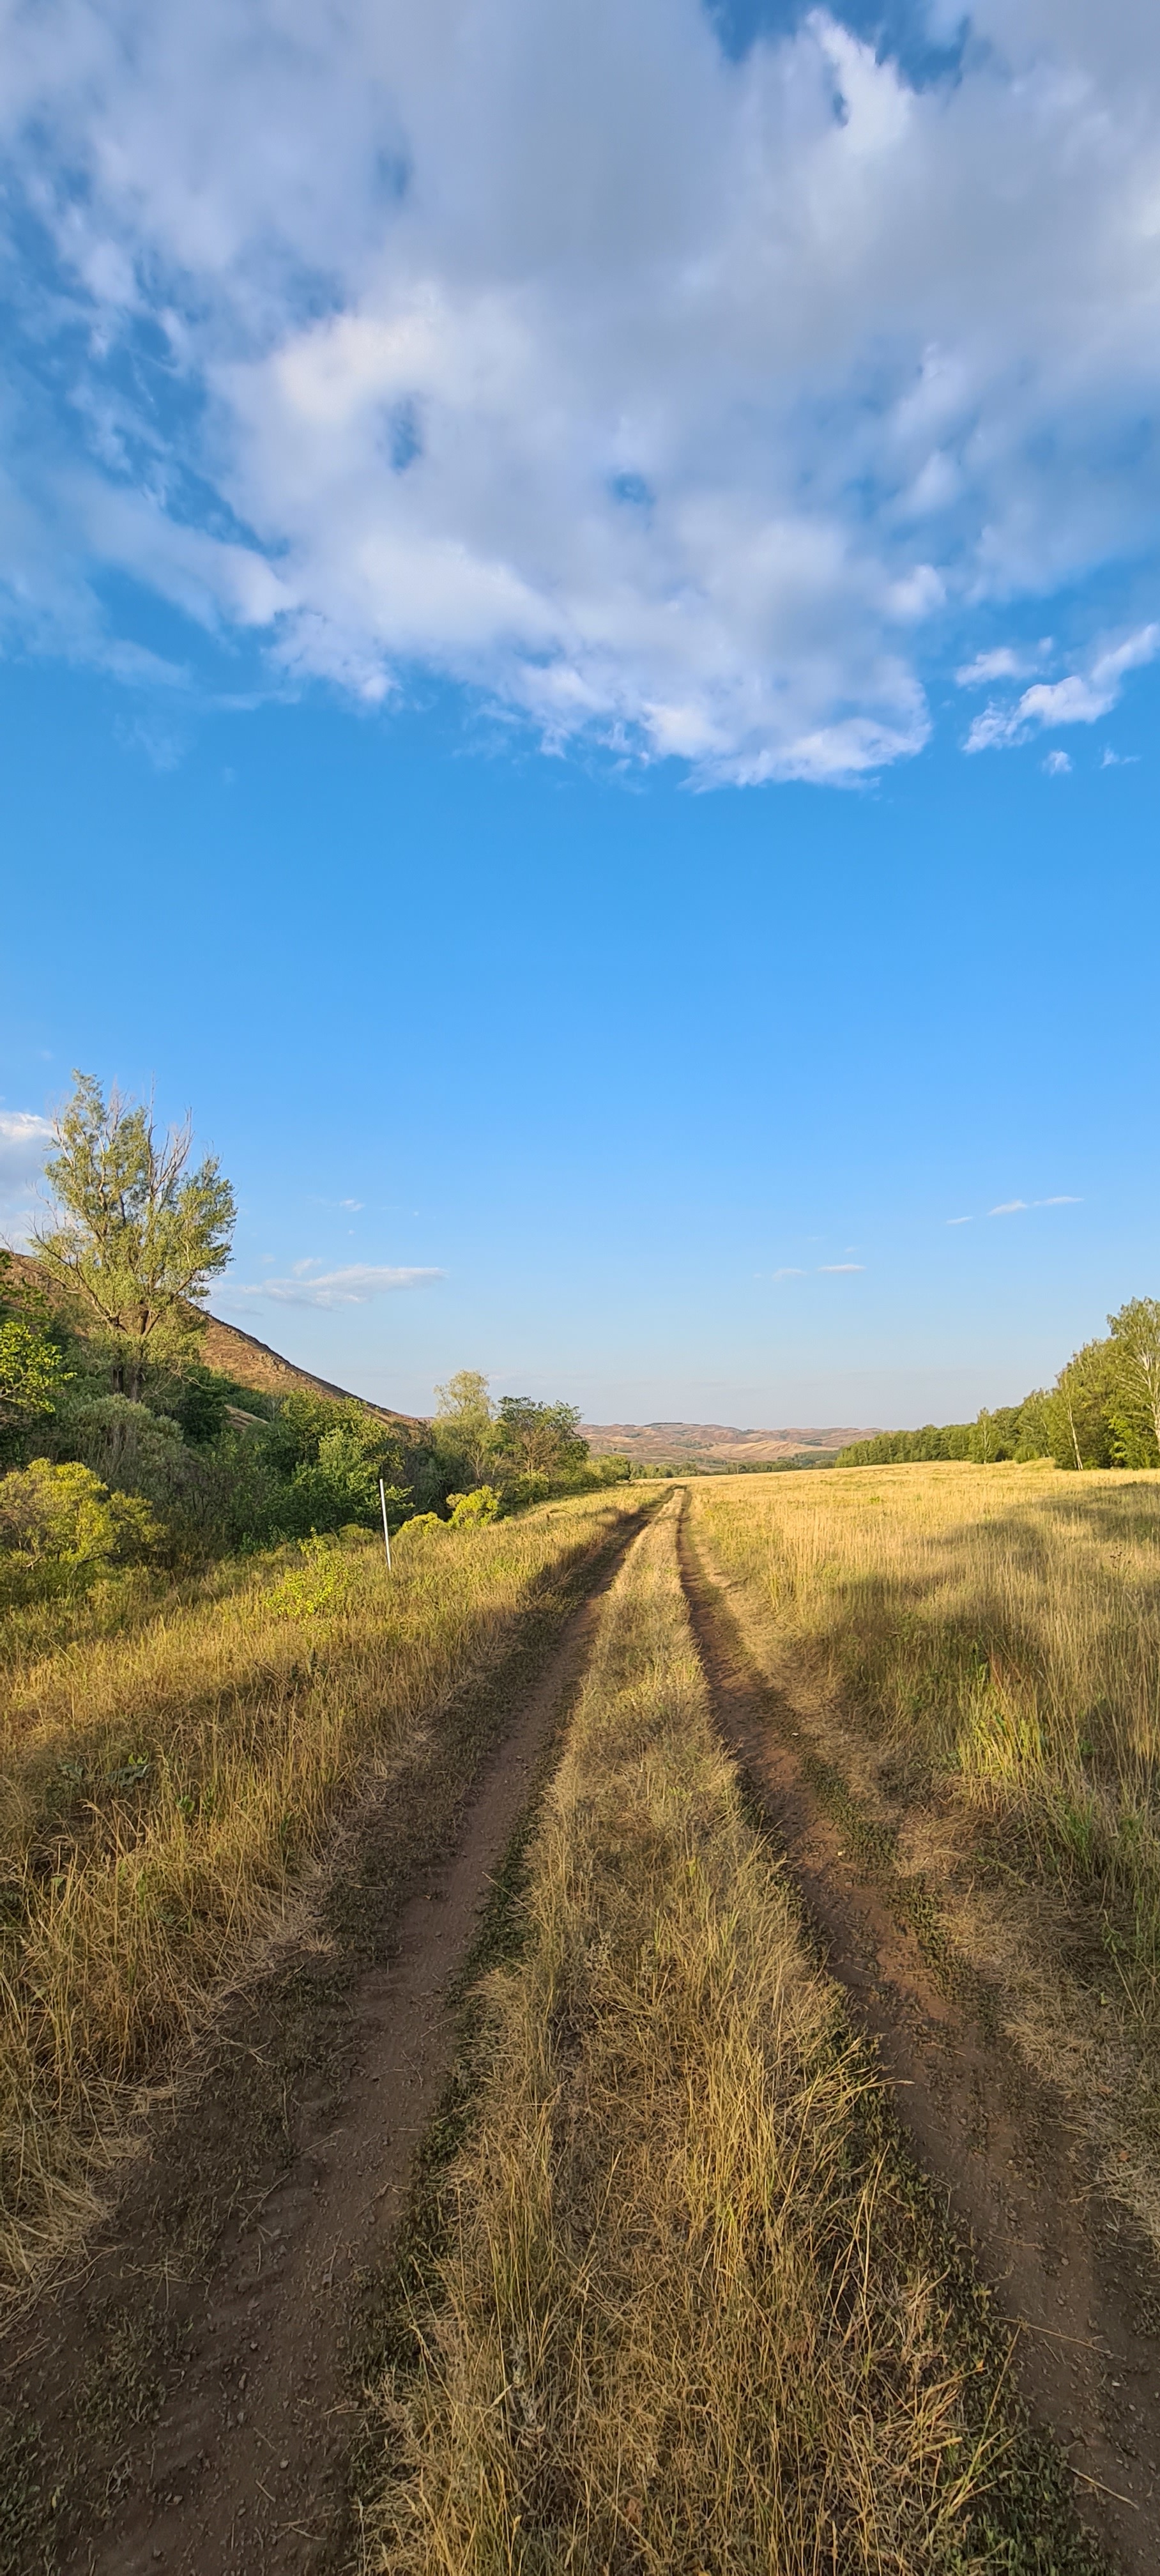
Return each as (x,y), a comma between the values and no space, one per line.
(386,1531)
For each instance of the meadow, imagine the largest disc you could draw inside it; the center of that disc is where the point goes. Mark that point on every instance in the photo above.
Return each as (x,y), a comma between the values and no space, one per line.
(173,1759)
(993,1633)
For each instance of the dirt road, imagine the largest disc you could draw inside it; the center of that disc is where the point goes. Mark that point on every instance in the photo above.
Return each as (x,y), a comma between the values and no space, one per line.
(189,2403)
(1068,2268)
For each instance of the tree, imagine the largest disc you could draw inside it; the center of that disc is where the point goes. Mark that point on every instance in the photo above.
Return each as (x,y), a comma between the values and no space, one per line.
(1135,1346)
(465,1426)
(139,1236)
(541,1437)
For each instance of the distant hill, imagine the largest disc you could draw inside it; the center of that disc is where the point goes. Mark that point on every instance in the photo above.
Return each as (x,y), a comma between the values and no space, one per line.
(716,1445)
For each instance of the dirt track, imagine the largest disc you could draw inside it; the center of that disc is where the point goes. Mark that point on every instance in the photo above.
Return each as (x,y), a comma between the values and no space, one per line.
(189,2404)
(1067,2267)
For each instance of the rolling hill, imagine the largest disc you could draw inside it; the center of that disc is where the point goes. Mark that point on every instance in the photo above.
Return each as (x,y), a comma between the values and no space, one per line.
(714,1445)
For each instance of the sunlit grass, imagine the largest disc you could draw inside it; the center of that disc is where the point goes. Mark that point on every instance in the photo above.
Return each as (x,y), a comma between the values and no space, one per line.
(168,1777)
(1003,1624)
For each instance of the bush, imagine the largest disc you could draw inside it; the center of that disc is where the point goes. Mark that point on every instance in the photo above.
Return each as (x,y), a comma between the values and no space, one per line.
(474,1510)
(60,1527)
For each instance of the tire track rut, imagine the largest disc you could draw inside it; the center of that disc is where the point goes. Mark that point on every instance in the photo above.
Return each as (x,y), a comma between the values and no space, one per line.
(1070,2270)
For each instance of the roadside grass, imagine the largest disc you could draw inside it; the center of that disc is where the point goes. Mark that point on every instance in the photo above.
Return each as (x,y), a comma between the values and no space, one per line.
(691,2312)
(999,1628)
(168,1779)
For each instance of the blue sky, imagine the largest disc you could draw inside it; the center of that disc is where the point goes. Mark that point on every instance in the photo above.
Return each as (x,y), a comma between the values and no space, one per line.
(580,670)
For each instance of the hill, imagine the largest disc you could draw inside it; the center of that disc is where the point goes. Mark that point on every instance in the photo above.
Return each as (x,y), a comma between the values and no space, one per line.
(249,1362)
(711,1444)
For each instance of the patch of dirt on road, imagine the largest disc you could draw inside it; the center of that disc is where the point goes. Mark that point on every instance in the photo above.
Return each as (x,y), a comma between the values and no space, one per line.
(188,2403)
(1075,2276)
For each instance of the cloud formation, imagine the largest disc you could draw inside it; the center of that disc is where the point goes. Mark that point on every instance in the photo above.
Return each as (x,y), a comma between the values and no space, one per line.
(687,402)
(25,1139)
(354,1286)
(1082,698)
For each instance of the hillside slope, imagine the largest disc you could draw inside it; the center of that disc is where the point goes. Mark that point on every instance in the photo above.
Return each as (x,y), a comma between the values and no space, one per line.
(249,1362)
(718,1444)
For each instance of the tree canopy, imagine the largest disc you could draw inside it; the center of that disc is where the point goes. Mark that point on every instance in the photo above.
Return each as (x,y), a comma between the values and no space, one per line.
(138,1235)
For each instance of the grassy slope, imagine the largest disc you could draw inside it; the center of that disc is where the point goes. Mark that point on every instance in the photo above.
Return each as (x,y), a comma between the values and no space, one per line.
(167,1783)
(686,2319)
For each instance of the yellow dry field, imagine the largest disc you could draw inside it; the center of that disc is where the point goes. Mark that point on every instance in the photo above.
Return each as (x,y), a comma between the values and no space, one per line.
(683,2321)
(976,1652)
(169,1777)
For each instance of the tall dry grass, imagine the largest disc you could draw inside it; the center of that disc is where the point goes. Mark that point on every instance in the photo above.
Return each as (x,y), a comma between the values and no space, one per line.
(1001,1624)
(682,2325)
(165,1780)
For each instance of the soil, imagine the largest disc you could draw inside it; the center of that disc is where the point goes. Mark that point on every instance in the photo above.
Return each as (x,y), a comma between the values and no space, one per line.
(1074,2276)
(190,2402)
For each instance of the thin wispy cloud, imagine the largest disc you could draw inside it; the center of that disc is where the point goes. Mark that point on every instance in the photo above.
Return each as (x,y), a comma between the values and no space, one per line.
(833,1269)
(789,1273)
(319,290)
(356,1285)
(1057,764)
(960,1220)
(1021,1207)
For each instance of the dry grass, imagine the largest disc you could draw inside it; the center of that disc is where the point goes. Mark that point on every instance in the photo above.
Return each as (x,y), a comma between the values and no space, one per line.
(682,2324)
(168,1777)
(1000,1627)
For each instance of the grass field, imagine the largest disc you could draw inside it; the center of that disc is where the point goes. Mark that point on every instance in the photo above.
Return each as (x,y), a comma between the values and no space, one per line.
(686,2318)
(997,1628)
(171,1771)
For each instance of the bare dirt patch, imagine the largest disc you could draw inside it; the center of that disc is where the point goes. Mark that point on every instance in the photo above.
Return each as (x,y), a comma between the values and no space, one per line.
(188,2403)
(1076,2278)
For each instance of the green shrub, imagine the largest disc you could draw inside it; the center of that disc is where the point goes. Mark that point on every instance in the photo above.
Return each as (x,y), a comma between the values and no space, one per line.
(60,1528)
(474,1510)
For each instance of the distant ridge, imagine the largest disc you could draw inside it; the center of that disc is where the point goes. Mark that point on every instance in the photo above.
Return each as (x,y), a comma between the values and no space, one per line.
(721,1443)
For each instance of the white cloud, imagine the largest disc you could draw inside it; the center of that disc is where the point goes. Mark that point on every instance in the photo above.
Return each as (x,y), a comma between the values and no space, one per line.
(789,1273)
(1004,663)
(653,395)
(1058,764)
(354,1286)
(1021,1207)
(834,1268)
(1064,1199)
(1010,1207)
(25,1142)
(1081,698)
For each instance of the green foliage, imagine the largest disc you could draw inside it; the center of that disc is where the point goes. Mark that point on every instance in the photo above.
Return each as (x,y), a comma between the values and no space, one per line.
(542,1439)
(60,1527)
(464,1429)
(139,1237)
(476,1509)
(33,1376)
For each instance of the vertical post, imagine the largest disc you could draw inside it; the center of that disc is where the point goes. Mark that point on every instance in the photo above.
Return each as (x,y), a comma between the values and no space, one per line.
(386,1531)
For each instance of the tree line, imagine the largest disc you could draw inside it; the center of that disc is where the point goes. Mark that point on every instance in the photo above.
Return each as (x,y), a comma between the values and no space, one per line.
(118,1442)
(1103,1411)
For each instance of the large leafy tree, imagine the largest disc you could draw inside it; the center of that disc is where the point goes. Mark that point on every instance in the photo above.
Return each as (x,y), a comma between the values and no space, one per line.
(138,1235)
(543,1438)
(464,1428)
(1135,1349)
